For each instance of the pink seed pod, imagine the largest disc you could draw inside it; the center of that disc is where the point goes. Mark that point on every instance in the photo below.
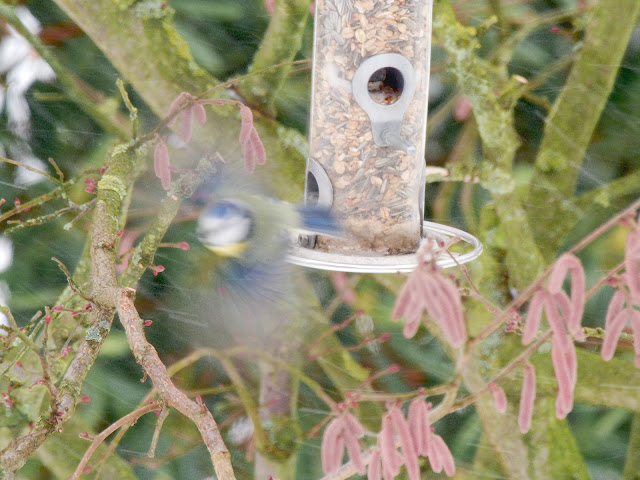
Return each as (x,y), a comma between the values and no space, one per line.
(613,325)
(553,316)
(564,304)
(387,444)
(613,331)
(527,398)
(564,375)
(161,163)
(569,263)
(418,419)
(332,446)
(186,130)
(635,325)
(353,450)
(444,454)
(258,148)
(499,397)
(412,325)
(409,304)
(451,292)
(246,126)
(440,303)
(532,323)
(352,424)
(631,258)
(373,472)
(180,99)
(435,455)
(406,443)
(199,113)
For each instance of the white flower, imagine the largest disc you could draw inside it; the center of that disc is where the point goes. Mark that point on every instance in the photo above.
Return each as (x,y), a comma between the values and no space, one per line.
(4,298)
(6,253)
(22,66)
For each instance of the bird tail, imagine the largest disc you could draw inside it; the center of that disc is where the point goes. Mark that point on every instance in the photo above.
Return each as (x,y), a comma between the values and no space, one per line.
(318,220)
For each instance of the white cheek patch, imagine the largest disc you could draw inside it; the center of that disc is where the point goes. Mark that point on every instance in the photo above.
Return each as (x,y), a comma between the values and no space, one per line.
(214,231)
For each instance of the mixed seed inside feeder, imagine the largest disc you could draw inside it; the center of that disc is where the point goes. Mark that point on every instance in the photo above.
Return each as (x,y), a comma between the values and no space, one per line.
(367,130)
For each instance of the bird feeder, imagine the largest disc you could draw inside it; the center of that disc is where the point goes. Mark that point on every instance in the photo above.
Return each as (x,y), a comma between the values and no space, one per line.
(367,136)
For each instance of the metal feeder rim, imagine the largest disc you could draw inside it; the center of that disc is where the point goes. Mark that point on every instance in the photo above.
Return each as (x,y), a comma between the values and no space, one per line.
(306,257)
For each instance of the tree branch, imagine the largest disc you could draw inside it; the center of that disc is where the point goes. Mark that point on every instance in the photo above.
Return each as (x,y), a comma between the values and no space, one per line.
(565,139)
(148,358)
(279,45)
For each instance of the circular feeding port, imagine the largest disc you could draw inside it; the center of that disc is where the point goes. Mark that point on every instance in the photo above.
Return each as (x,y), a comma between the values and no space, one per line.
(385,85)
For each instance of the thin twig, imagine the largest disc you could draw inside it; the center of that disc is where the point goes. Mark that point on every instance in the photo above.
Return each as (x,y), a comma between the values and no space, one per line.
(164,413)
(30,168)
(133,111)
(604,280)
(384,397)
(55,193)
(347,348)
(84,208)
(57,169)
(262,355)
(70,281)
(329,331)
(465,272)
(513,364)
(128,419)
(47,378)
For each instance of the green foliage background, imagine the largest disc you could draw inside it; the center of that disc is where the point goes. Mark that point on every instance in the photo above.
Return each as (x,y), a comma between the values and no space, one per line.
(539,39)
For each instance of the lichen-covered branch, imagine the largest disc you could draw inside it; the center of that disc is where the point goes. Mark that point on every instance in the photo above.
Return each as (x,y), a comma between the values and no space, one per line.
(479,81)
(632,464)
(112,189)
(279,45)
(570,124)
(185,187)
(603,196)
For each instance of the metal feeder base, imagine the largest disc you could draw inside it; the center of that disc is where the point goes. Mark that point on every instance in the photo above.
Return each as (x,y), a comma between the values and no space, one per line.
(306,257)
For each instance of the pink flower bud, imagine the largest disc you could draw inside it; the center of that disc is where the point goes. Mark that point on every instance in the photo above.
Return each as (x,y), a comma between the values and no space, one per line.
(332,447)
(533,317)
(527,398)
(613,325)
(199,113)
(499,398)
(161,163)
(393,368)
(569,263)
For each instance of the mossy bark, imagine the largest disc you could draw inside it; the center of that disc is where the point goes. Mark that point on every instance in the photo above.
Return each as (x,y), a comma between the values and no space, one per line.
(280,45)
(571,121)
(142,43)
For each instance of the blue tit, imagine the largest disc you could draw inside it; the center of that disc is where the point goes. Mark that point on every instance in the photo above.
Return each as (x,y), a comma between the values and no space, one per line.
(240,289)
(256,228)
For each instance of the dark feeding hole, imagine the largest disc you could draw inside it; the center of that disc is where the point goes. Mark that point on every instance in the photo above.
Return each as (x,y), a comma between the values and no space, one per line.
(313,191)
(385,85)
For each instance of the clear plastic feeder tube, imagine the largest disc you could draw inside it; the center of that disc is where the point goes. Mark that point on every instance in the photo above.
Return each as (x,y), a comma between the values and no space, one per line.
(368,122)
